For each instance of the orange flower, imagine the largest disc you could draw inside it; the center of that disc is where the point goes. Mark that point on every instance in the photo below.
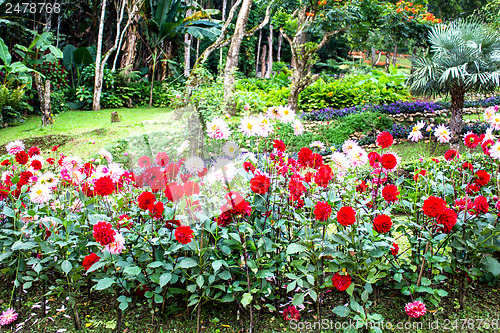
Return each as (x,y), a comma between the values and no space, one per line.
(398,10)
(438,21)
(411,18)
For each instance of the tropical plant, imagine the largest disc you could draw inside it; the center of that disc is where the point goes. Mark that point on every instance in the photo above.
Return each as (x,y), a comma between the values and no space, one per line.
(465,57)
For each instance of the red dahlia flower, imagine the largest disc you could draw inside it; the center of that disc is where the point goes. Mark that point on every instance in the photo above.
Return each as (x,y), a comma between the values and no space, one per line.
(481,205)
(296,187)
(472,140)
(389,161)
(447,218)
(433,206)
(34,151)
(472,189)
(382,224)
(291,313)
(183,234)
(346,216)
(162,159)
(103,233)
(104,186)
(169,224)
(467,166)
(418,173)
(384,140)
(323,176)
(481,178)
(279,145)
(305,156)
(486,145)
(144,162)
(374,159)
(89,260)
(22,157)
(390,193)
(415,309)
(260,184)
(316,160)
(36,165)
(361,188)
(248,166)
(341,282)
(156,210)
(322,211)
(451,155)
(395,249)
(145,199)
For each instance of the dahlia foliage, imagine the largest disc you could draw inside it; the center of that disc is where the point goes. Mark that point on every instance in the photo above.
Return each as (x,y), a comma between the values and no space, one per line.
(260,228)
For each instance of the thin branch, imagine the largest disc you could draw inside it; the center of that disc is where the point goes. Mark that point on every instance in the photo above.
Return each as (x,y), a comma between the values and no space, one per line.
(217,44)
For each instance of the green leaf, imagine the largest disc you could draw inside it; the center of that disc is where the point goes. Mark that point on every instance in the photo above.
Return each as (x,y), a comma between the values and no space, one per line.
(164,279)
(123,306)
(491,265)
(186,263)
(19,245)
(200,281)
(104,283)
(4,53)
(246,299)
(132,270)
(356,307)
(7,211)
(5,255)
(217,264)
(66,266)
(298,299)
(155,264)
(350,290)
(342,311)
(295,248)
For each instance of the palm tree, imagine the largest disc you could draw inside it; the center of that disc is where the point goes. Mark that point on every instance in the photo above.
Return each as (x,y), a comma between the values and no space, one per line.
(465,57)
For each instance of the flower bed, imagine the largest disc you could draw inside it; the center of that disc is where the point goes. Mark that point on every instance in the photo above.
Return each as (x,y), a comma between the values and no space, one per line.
(270,232)
(396,108)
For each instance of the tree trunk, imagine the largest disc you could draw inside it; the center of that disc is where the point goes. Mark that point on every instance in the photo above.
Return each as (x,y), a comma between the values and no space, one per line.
(258,54)
(234,49)
(270,52)
(187,54)
(395,54)
(187,49)
(456,110)
(129,49)
(280,40)
(131,35)
(96,102)
(224,5)
(263,62)
(374,54)
(99,68)
(43,89)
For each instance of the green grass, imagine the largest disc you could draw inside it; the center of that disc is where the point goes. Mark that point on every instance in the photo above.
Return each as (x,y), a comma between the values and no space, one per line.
(98,314)
(410,151)
(76,129)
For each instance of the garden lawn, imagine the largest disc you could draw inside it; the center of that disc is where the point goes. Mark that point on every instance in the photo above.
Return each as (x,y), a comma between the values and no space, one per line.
(77,129)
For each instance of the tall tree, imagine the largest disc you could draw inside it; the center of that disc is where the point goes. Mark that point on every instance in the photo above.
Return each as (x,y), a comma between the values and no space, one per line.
(224,40)
(234,49)
(100,62)
(465,57)
(307,30)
